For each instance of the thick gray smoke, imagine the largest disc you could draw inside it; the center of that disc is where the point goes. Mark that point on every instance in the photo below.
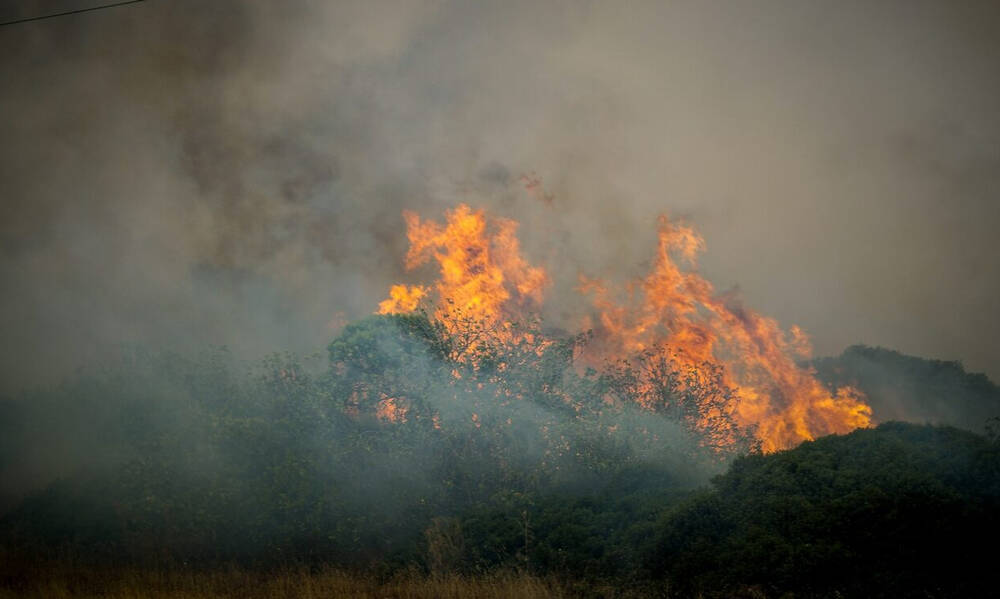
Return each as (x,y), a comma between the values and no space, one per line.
(185,173)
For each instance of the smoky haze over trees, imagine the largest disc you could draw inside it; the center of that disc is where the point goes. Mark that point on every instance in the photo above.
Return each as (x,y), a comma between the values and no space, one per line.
(233,173)
(410,450)
(202,205)
(348,461)
(901,387)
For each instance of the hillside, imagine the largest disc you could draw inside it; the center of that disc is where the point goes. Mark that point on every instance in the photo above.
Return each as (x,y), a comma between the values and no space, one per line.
(897,511)
(902,387)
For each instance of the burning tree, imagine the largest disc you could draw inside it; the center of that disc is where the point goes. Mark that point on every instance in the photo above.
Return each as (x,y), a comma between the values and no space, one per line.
(669,343)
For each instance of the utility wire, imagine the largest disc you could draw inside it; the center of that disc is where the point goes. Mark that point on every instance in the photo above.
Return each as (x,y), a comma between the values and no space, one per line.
(70,12)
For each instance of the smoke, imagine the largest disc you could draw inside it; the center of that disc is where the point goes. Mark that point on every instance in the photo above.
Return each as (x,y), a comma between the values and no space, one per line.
(180,173)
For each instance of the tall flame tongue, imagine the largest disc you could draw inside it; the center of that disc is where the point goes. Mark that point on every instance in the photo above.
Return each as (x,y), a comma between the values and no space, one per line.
(675,313)
(483,278)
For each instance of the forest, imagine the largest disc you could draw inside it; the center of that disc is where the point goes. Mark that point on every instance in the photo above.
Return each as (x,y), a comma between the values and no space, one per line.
(411,449)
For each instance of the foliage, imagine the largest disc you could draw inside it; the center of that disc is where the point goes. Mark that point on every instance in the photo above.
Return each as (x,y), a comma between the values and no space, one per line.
(407,424)
(466,450)
(897,511)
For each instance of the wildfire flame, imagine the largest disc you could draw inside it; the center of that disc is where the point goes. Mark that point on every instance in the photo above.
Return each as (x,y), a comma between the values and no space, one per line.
(483,277)
(673,316)
(392,409)
(675,312)
(402,299)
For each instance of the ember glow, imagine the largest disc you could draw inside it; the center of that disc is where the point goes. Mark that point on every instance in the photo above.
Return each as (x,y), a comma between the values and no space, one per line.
(672,320)
(391,409)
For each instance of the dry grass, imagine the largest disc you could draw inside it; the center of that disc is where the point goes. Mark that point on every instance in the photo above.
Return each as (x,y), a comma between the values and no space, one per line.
(81,583)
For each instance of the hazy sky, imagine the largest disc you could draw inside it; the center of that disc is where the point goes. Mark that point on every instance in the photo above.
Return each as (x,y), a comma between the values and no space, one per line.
(182,173)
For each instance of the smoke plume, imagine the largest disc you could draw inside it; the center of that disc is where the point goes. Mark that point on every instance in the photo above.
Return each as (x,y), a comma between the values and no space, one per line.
(180,173)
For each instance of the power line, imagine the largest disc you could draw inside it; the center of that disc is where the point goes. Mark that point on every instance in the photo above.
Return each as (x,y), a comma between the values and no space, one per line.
(70,12)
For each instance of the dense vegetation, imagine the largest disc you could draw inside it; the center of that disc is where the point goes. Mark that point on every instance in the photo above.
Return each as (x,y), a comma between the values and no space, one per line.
(363,459)
(897,511)
(410,448)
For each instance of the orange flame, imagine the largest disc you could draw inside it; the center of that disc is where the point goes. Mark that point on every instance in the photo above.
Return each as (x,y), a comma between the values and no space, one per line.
(673,316)
(483,277)
(391,409)
(402,299)
(676,312)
